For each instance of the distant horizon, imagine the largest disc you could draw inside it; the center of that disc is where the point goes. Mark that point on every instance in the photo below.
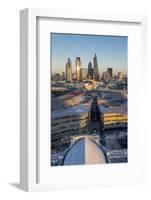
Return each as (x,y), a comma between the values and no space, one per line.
(111,51)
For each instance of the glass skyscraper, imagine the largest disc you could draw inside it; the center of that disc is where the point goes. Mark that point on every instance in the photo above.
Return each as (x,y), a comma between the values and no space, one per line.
(96,70)
(90,71)
(78,66)
(69,70)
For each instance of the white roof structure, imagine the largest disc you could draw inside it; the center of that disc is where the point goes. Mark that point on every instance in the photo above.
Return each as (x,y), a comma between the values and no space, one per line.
(85,151)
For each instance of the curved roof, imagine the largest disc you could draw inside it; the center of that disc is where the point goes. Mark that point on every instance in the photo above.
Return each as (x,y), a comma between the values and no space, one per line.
(85,151)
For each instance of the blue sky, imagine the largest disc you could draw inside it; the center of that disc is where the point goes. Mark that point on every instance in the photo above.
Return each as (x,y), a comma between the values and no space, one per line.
(111,51)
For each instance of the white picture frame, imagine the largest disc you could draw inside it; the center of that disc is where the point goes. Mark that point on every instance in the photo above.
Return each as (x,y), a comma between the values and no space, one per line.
(29,148)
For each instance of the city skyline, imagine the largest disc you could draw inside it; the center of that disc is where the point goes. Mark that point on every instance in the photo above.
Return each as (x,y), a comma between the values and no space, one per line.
(89,99)
(111,51)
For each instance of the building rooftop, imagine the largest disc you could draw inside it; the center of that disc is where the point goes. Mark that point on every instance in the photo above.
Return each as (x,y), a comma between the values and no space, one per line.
(56,104)
(85,151)
(69,99)
(70,111)
(71,94)
(121,109)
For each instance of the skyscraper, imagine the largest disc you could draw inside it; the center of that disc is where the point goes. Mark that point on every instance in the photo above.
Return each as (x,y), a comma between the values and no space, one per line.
(69,70)
(110,71)
(96,70)
(90,71)
(56,77)
(83,74)
(63,76)
(73,76)
(120,76)
(106,77)
(78,66)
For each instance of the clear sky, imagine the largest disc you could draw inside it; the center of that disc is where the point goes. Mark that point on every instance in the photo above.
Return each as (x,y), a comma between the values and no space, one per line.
(111,51)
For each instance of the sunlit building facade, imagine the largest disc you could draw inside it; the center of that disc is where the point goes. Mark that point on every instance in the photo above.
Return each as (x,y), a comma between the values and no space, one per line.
(78,66)
(106,77)
(83,74)
(113,116)
(120,76)
(69,70)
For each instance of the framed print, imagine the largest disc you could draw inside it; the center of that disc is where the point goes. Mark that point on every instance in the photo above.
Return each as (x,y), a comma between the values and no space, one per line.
(82,76)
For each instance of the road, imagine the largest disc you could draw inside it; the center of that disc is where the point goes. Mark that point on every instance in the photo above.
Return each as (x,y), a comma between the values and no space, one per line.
(94,125)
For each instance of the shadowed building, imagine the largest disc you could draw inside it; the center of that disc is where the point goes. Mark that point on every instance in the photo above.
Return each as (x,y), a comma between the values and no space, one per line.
(110,71)
(96,69)
(90,71)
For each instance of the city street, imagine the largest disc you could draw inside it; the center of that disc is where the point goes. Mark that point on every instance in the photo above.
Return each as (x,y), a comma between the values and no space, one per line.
(94,125)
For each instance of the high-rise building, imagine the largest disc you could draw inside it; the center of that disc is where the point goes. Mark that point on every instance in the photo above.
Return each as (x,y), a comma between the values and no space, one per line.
(63,76)
(78,66)
(90,71)
(96,69)
(106,77)
(120,76)
(69,70)
(110,71)
(56,77)
(73,76)
(83,74)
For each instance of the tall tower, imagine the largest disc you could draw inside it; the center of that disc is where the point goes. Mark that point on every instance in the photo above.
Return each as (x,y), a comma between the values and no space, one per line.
(96,70)
(78,66)
(110,71)
(90,71)
(69,70)
(83,74)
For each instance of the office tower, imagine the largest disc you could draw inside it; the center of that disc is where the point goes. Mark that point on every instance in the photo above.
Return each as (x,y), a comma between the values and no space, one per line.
(78,66)
(96,70)
(56,77)
(69,70)
(110,71)
(63,76)
(90,71)
(120,76)
(73,76)
(106,77)
(83,74)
